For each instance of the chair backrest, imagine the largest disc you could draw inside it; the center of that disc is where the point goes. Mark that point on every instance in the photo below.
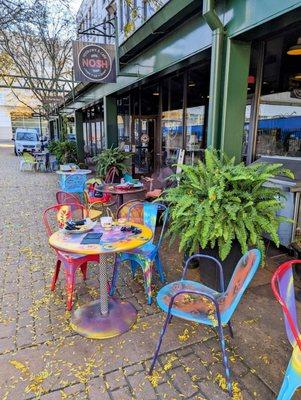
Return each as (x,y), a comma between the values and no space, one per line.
(241,278)
(66,198)
(136,214)
(112,172)
(56,216)
(283,288)
(150,213)
(28,157)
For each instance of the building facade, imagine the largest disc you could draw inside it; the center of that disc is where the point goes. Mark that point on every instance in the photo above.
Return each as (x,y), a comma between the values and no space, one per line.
(194,74)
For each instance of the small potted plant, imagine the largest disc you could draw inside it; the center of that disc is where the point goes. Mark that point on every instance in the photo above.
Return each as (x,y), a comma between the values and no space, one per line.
(65,151)
(112,157)
(221,208)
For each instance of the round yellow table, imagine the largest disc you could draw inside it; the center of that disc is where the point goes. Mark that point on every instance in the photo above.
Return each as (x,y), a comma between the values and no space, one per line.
(106,317)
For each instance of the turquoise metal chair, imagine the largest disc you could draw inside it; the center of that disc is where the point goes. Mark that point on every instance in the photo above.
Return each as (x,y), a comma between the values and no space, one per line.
(283,288)
(148,255)
(193,301)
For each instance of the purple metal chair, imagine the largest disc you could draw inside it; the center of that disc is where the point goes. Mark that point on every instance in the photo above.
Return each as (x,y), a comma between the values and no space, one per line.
(196,302)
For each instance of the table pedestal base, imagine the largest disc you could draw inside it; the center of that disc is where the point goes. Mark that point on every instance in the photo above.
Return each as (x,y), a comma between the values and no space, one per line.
(88,322)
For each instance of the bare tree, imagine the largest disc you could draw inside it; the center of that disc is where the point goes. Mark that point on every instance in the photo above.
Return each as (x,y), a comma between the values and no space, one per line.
(10,11)
(40,49)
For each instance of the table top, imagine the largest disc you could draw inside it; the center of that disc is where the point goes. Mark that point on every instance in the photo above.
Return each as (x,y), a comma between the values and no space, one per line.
(112,241)
(75,172)
(112,189)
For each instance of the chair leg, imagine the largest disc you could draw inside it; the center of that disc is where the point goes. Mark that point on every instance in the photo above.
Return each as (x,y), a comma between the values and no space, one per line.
(70,282)
(55,275)
(147,273)
(230,329)
(225,358)
(160,268)
(114,278)
(133,267)
(290,383)
(84,268)
(162,333)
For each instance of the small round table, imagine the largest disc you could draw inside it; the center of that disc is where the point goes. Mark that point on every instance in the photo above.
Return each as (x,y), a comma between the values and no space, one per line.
(106,317)
(113,189)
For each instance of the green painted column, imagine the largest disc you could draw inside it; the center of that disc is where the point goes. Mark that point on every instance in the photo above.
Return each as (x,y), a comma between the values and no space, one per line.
(234,97)
(79,131)
(110,121)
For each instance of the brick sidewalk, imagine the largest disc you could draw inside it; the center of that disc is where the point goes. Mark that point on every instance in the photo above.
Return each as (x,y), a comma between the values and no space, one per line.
(41,357)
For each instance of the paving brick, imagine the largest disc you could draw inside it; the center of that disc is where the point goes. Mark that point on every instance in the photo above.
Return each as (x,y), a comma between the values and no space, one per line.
(183,382)
(116,379)
(6,345)
(142,387)
(122,394)
(97,389)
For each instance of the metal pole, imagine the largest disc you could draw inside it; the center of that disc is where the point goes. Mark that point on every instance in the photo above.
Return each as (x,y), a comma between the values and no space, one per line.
(255,105)
(116,43)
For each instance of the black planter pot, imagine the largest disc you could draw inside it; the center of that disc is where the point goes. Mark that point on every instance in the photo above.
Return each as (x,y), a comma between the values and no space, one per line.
(209,274)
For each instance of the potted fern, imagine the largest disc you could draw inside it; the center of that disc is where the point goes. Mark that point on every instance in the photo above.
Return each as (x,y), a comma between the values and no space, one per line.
(112,157)
(221,208)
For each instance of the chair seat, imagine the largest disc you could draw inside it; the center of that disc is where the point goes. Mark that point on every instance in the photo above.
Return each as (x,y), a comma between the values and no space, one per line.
(95,214)
(71,255)
(75,256)
(192,307)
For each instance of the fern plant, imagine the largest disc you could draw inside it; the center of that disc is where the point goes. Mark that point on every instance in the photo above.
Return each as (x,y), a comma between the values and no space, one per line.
(217,201)
(112,157)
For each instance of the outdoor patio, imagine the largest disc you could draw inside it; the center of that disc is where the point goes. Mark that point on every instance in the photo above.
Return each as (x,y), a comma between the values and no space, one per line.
(41,357)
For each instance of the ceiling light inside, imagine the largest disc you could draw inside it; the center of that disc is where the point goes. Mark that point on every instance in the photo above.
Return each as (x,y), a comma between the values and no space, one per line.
(295,50)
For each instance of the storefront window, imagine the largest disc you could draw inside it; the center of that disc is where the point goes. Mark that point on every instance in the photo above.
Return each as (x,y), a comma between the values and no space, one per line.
(277,121)
(197,100)
(124,122)
(172,118)
(279,126)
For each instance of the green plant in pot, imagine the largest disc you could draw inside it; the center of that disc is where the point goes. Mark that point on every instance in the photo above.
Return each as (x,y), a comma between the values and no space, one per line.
(112,157)
(219,206)
(65,151)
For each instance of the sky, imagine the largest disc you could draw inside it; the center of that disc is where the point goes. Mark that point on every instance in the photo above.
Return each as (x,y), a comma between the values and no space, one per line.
(75,5)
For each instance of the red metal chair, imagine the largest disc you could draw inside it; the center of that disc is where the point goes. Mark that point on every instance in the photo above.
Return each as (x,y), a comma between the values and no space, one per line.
(54,217)
(283,288)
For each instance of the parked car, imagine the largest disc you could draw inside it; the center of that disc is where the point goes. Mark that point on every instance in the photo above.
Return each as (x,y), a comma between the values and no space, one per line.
(27,139)
(71,137)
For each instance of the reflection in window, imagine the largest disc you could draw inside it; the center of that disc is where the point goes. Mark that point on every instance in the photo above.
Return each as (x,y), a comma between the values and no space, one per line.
(124,121)
(195,133)
(279,126)
(172,118)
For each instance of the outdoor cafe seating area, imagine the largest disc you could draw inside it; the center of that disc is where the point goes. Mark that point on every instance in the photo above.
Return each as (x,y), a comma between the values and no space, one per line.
(90,221)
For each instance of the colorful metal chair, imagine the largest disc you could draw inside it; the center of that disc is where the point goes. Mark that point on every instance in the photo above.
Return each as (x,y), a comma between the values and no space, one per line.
(283,288)
(148,255)
(136,214)
(54,217)
(196,302)
(95,210)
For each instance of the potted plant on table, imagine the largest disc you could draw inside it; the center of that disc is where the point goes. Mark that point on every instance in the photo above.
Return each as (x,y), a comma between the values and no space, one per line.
(65,151)
(112,157)
(221,208)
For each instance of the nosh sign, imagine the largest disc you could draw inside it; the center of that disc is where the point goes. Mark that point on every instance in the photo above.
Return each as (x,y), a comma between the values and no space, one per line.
(94,62)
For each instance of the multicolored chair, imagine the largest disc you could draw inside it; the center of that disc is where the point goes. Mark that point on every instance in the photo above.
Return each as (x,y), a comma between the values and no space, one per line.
(55,217)
(95,210)
(283,288)
(136,214)
(193,301)
(148,255)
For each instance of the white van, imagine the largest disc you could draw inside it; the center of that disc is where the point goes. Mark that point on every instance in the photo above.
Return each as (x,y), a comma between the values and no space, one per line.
(26,139)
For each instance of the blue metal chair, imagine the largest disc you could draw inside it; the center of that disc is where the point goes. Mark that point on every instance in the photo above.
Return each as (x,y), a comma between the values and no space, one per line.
(196,302)
(147,255)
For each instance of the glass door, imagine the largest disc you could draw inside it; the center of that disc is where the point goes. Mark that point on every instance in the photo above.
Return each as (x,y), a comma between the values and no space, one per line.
(144,129)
